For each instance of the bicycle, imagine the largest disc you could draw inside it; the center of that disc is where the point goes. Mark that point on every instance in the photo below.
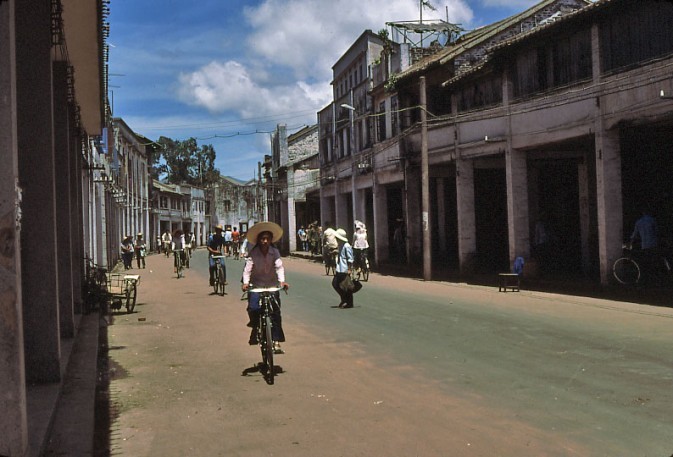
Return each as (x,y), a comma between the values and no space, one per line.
(330,260)
(179,262)
(94,287)
(361,265)
(235,249)
(267,301)
(219,285)
(628,271)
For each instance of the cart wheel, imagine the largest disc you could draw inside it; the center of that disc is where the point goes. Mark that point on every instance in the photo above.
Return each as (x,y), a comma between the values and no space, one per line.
(131,293)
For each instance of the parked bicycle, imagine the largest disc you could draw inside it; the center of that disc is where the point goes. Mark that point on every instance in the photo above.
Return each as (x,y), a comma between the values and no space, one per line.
(94,287)
(632,268)
(267,304)
(220,283)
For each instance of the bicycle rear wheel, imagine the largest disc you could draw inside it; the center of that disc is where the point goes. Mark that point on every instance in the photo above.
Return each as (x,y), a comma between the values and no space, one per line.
(626,271)
(365,271)
(131,294)
(179,267)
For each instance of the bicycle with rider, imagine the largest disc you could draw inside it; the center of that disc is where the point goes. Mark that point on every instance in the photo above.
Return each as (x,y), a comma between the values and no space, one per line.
(264,268)
(214,246)
(178,247)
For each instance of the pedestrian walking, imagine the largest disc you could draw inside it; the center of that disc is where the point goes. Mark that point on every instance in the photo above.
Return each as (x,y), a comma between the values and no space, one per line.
(141,250)
(344,268)
(127,252)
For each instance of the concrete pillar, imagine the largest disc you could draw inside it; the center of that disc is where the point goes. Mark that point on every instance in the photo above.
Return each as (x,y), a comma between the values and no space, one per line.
(13,420)
(35,136)
(413,217)
(382,246)
(326,208)
(609,199)
(467,234)
(517,204)
(341,210)
(440,209)
(76,213)
(291,210)
(608,179)
(359,205)
(585,215)
(62,181)
(292,223)
(284,209)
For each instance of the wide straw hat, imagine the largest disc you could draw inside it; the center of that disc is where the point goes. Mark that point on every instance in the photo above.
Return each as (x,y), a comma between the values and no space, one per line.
(341,234)
(275,229)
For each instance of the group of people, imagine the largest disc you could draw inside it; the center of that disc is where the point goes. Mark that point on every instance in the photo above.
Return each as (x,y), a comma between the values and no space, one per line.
(165,242)
(263,263)
(309,239)
(129,248)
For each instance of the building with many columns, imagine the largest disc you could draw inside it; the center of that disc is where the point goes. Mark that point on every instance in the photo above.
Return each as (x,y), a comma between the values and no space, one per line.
(75,181)
(129,161)
(551,116)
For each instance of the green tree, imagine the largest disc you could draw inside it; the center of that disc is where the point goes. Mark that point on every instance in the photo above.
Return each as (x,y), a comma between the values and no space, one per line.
(185,162)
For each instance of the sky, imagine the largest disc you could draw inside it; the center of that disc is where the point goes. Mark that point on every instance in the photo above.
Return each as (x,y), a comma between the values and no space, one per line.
(227,72)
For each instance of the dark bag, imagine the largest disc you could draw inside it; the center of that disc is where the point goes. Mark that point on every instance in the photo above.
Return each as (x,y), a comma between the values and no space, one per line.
(357,285)
(347,284)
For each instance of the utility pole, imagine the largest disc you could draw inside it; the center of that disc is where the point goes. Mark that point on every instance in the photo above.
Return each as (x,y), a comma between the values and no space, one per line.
(425,185)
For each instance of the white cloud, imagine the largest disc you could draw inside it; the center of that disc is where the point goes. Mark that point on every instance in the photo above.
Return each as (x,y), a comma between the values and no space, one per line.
(310,35)
(293,45)
(229,86)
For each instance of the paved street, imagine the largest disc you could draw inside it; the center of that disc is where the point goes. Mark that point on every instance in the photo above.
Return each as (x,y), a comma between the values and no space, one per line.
(415,369)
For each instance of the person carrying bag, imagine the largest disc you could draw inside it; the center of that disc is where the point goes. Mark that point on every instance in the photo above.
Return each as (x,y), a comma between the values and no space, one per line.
(342,282)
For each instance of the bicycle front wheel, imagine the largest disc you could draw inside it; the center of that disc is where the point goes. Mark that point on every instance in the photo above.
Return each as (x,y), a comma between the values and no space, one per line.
(626,271)
(267,351)
(220,280)
(216,281)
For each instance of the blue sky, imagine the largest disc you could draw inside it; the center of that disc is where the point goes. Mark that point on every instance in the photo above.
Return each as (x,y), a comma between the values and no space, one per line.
(228,71)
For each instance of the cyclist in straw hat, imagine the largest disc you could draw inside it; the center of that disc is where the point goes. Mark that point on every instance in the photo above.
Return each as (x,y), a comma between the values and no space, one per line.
(264,268)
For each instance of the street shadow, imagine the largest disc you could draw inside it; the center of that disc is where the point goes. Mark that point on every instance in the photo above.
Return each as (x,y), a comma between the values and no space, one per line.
(260,368)
(106,411)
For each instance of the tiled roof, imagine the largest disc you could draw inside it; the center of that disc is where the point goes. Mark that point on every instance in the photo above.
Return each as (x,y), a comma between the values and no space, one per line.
(550,24)
(474,38)
(591,6)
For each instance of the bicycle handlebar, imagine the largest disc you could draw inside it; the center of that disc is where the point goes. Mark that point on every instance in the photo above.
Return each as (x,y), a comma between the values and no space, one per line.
(267,289)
